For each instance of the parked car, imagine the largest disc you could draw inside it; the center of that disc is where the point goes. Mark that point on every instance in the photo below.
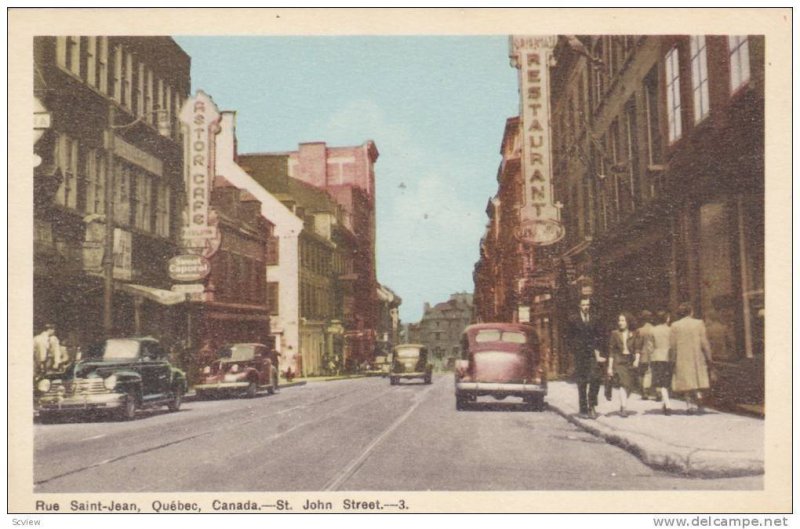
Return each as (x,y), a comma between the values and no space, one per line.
(240,368)
(379,367)
(500,360)
(119,375)
(410,361)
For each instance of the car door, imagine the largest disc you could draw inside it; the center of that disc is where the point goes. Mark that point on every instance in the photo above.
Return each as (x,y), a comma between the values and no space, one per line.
(154,371)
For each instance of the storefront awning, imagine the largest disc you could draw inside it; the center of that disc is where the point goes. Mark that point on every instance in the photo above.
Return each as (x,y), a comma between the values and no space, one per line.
(164,297)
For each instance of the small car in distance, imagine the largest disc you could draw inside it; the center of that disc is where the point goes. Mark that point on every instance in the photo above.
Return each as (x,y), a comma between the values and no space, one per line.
(118,375)
(410,361)
(239,368)
(500,360)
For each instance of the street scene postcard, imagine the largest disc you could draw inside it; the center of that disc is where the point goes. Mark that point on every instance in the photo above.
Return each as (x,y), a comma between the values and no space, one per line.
(285,261)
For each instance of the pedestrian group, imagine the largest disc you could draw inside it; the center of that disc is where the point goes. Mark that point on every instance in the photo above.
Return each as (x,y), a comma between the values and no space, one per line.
(655,359)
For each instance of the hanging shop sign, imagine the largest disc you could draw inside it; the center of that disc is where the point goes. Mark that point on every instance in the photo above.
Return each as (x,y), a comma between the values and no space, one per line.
(200,118)
(188,267)
(540,218)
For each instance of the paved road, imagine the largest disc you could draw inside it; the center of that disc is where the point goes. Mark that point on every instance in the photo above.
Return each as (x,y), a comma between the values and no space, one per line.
(360,434)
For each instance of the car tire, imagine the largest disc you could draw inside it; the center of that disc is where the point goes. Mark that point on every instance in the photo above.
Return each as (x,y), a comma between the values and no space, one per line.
(536,403)
(392,381)
(128,410)
(47,417)
(252,390)
(177,399)
(428,378)
(461,403)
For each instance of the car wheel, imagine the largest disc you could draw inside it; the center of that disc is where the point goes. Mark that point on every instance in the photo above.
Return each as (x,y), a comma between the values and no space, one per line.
(428,378)
(461,403)
(252,390)
(536,403)
(128,410)
(392,381)
(47,417)
(177,399)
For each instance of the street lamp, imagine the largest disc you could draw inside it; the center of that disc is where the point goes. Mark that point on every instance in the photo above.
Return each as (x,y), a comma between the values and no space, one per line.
(108,241)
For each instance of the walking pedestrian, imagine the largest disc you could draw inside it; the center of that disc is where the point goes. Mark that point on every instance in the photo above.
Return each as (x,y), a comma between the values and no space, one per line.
(623,360)
(692,353)
(644,346)
(583,336)
(46,351)
(660,365)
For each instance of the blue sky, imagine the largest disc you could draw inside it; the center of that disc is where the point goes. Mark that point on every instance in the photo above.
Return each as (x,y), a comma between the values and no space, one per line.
(435,107)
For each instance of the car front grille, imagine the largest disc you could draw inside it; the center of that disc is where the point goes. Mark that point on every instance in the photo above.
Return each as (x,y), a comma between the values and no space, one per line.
(80,386)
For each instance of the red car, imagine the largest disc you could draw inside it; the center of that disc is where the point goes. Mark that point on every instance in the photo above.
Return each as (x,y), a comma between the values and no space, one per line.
(240,368)
(501,360)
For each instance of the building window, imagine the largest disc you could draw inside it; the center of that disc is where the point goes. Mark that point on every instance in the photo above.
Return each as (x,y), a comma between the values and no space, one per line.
(67,156)
(91,61)
(102,64)
(273,251)
(653,121)
(127,82)
(673,95)
(139,98)
(273,302)
(95,182)
(141,195)
(162,203)
(632,149)
(699,77)
(598,73)
(740,60)
(122,194)
(613,150)
(148,97)
(116,79)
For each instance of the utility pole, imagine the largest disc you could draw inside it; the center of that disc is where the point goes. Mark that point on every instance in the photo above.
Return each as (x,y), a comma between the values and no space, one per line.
(108,246)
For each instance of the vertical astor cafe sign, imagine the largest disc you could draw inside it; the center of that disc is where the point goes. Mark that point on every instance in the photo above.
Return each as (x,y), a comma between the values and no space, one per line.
(200,116)
(540,218)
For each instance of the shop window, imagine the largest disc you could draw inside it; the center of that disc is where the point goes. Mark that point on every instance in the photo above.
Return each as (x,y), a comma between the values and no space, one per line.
(673,95)
(699,77)
(740,61)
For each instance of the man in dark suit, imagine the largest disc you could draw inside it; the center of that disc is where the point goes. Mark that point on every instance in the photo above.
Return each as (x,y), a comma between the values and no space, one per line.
(583,338)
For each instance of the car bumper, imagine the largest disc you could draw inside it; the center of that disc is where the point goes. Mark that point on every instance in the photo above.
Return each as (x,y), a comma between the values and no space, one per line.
(221,386)
(409,375)
(81,403)
(499,388)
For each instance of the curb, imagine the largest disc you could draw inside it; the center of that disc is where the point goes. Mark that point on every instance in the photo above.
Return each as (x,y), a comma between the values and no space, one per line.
(191,395)
(693,462)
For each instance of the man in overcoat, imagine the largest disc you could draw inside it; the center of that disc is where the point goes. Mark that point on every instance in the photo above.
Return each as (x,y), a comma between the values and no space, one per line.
(583,338)
(691,352)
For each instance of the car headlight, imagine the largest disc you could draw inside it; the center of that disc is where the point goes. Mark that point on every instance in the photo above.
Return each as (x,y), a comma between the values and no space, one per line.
(43,385)
(234,368)
(207,370)
(110,382)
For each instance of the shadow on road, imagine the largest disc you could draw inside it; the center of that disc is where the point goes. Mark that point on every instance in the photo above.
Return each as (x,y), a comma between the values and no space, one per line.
(499,406)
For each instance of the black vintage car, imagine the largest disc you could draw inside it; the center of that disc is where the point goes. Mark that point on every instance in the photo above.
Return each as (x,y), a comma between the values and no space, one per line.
(119,375)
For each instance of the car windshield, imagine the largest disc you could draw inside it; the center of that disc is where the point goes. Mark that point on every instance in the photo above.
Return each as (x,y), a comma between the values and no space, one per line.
(236,353)
(490,335)
(408,352)
(116,349)
(514,337)
(494,335)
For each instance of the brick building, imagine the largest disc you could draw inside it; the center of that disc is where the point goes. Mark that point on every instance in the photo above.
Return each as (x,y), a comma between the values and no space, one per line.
(113,144)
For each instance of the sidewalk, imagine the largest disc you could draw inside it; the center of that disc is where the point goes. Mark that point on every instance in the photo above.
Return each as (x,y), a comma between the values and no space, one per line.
(713,445)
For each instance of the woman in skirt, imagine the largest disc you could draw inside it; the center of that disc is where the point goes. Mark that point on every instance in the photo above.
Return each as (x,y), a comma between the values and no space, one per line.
(660,365)
(623,360)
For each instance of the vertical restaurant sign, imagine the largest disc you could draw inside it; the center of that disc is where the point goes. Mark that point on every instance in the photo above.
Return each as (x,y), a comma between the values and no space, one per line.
(540,218)
(200,117)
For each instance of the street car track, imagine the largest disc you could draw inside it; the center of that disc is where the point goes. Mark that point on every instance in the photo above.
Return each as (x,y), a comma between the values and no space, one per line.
(219,428)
